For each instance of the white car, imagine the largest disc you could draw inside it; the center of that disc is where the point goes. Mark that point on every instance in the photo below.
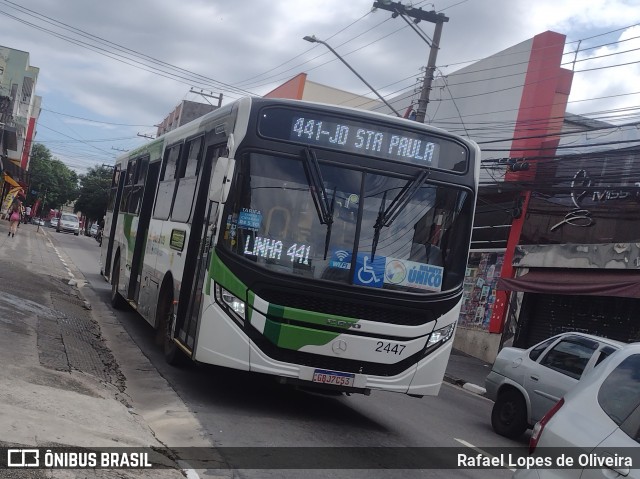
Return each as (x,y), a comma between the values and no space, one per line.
(600,417)
(525,384)
(68,223)
(93,230)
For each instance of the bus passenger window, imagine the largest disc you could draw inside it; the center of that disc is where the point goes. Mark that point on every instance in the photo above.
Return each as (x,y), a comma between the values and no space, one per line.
(193,160)
(172,163)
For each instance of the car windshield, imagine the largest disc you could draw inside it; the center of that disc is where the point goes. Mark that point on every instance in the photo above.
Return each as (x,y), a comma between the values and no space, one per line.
(273,219)
(71,218)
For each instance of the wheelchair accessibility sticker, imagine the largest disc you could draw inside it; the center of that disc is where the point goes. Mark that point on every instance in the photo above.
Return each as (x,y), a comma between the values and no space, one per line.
(369,273)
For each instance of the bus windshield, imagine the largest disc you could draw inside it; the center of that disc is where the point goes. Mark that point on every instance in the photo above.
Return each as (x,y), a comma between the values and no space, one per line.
(270,219)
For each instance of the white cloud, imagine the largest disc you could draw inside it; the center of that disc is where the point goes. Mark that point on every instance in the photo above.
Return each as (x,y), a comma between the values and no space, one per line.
(610,71)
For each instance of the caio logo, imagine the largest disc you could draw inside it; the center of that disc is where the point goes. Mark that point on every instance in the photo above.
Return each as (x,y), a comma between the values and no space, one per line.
(23,458)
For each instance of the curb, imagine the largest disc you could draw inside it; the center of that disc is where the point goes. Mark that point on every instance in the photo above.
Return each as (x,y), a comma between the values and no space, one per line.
(473,388)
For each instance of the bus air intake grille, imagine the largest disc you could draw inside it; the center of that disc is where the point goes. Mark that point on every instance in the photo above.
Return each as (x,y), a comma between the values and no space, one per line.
(358,310)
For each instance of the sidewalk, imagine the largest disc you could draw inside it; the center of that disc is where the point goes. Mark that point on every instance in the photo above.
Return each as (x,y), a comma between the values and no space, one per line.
(70,374)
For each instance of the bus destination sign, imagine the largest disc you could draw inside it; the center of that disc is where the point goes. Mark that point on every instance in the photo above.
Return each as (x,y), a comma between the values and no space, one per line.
(346,135)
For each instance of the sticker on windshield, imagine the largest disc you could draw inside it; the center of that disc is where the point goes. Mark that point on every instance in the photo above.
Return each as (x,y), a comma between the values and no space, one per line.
(401,272)
(340,259)
(250,219)
(369,273)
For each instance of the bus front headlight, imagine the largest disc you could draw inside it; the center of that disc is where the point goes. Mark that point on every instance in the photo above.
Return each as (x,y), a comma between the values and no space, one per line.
(234,305)
(439,337)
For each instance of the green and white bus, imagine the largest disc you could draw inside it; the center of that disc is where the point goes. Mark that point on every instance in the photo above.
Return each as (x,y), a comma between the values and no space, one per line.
(323,245)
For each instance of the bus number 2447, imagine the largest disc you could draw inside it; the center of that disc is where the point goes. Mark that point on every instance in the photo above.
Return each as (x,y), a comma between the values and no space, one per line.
(389,348)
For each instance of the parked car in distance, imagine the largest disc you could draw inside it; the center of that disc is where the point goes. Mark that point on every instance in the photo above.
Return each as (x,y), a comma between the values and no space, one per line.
(93,230)
(38,221)
(68,223)
(53,223)
(600,416)
(526,383)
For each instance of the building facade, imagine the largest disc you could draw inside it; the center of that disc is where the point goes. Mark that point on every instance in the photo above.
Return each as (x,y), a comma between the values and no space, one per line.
(19,112)
(182,114)
(578,260)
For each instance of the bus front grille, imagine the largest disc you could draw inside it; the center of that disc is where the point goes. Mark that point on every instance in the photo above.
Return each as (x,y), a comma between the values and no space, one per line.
(340,307)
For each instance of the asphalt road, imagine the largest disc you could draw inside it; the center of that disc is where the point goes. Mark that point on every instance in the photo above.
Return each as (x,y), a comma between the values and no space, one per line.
(240,409)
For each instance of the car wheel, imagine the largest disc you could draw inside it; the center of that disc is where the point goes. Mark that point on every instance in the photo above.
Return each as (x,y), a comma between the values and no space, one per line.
(509,414)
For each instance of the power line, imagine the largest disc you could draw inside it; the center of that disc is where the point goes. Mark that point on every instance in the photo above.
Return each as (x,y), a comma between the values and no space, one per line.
(94,121)
(195,77)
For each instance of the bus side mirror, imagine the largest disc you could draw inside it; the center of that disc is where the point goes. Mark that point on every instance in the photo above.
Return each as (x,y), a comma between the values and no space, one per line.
(218,187)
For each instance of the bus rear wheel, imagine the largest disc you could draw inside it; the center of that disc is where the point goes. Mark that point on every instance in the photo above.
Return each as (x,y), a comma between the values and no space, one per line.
(117,301)
(165,318)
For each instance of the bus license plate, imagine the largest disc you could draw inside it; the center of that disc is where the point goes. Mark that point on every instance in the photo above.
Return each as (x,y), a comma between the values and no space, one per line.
(333,377)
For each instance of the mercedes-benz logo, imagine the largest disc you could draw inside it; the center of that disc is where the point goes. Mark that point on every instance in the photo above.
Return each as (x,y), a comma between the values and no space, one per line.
(339,346)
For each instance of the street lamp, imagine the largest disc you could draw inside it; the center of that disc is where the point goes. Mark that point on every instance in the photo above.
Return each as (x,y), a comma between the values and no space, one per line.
(313,39)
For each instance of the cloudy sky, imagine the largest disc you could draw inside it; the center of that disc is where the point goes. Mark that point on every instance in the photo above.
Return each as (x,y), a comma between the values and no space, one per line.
(111,70)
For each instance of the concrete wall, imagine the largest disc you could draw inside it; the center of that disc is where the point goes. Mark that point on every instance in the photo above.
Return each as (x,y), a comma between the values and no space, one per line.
(477,343)
(300,88)
(486,92)
(325,94)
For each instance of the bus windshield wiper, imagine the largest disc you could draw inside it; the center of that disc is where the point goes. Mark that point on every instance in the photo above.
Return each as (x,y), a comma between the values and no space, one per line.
(388,214)
(323,206)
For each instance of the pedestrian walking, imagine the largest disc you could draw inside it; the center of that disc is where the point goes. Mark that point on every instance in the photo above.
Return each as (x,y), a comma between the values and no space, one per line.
(14,217)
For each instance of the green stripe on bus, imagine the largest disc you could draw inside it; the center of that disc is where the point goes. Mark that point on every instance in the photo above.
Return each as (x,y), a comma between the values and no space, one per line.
(295,337)
(312,317)
(219,272)
(276,311)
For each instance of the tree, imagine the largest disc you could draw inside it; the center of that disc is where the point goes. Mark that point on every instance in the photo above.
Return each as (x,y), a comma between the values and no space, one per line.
(94,192)
(51,180)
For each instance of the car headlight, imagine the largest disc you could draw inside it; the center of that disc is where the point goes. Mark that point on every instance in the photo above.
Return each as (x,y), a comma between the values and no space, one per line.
(231,303)
(440,336)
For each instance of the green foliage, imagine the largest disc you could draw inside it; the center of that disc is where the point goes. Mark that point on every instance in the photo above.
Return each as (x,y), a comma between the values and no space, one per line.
(94,192)
(55,183)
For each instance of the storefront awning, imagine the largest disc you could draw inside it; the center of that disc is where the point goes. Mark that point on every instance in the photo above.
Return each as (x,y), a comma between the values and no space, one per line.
(593,282)
(18,174)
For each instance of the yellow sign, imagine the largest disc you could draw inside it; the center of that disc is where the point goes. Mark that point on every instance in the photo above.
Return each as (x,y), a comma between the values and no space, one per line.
(11,181)
(13,192)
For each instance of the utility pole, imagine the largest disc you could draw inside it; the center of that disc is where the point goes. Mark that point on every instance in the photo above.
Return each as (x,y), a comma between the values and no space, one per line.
(404,11)
(208,95)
